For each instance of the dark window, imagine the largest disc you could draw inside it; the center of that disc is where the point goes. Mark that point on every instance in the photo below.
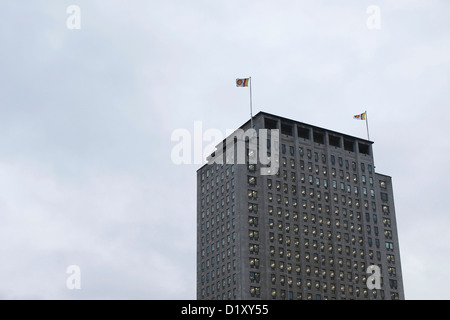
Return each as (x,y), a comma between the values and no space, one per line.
(318,136)
(334,141)
(303,133)
(363,148)
(270,124)
(286,129)
(349,145)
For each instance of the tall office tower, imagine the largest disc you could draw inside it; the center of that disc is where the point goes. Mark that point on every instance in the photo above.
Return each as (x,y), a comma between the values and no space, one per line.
(313,229)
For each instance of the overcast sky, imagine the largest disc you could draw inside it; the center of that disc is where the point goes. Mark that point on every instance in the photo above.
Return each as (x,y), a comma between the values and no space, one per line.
(86,117)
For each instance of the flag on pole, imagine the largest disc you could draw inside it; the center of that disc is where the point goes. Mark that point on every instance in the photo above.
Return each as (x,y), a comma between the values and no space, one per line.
(242,82)
(247,82)
(361,116)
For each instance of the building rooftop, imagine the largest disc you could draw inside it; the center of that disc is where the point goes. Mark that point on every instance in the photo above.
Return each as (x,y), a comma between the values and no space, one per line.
(318,133)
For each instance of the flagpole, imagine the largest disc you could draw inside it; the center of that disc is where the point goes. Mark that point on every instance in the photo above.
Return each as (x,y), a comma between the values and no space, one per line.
(367,126)
(251,107)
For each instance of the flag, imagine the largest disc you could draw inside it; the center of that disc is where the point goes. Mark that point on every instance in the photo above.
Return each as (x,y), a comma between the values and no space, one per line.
(242,82)
(361,116)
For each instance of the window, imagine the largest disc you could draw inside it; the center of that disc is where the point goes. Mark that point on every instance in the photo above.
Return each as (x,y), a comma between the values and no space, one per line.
(334,141)
(252,207)
(349,145)
(291,150)
(270,123)
(388,234)
(252,194)
(303,133)
(363,148)
(318,136)
(255,291)
(286,129)
(253,234)
(292,163)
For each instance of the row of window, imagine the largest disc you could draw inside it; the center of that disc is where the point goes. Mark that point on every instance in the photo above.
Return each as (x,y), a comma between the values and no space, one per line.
(220,203)
(311,217)
(205,212)
(286,226)
(316,169)
(284,280)
(224,187)
(223,229)
(351,291)
(345,199)
(286,239)
(316,258)
(219,259)
(222,243)
(313,179)
(337,211)
(282,251)
(212,275)
(211,169)
(228,284)
(323,158)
